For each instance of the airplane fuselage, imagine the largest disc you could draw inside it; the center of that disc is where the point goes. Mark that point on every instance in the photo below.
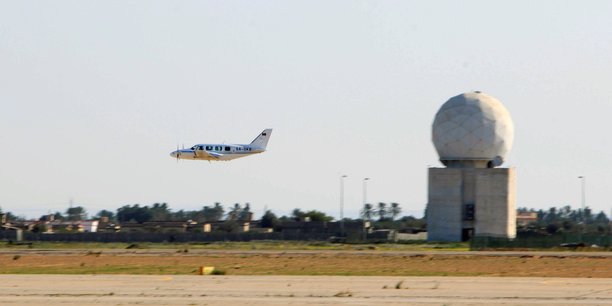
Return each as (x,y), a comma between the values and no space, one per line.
(209,151)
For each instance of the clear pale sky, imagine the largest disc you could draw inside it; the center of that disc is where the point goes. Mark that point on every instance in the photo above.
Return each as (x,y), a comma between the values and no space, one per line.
(94,96)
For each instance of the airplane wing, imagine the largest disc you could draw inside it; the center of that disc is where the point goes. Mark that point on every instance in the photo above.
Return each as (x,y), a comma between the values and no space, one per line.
(212,154)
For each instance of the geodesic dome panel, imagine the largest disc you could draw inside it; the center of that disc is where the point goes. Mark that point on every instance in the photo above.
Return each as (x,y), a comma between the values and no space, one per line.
(473,126)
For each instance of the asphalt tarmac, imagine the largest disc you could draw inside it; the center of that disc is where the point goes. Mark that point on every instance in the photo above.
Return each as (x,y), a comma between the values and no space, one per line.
(68,290)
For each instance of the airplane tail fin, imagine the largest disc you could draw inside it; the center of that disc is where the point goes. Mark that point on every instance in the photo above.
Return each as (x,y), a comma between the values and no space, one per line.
(261,141)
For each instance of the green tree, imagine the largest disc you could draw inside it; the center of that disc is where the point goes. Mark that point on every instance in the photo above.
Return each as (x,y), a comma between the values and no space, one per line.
(565,212)
(10,217)
(551,215)
(382,211)
(588,215)
(58,216)
(105,213)
(134,213)
(552,228)
(39,228)
(298,215)
(213,214)
(410,222)
(541,215)
(394,210)
(367,213)
(601,218)
(234,213)
(245,213)
(230,226)
(182,215)
(269,220)
(76,213)
(160,212)
(567,225)
(316,215)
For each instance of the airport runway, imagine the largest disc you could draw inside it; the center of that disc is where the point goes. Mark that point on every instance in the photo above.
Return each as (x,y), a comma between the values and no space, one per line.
(69,290)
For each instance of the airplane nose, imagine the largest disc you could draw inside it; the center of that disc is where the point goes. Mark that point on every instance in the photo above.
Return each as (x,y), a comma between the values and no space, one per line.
(173,154)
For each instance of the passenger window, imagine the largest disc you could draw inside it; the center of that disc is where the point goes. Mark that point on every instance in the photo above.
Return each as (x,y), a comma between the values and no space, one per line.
(227,149)
(209,148)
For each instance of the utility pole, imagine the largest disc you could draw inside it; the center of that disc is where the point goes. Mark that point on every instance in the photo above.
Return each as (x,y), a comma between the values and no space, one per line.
(365,191)
(342,204)
(583,185)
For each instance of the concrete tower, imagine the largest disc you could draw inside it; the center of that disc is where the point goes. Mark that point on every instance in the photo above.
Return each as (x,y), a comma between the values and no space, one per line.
(472,133)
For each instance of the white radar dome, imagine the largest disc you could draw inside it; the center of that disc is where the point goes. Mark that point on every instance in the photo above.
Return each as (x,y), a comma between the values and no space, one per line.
(473,127)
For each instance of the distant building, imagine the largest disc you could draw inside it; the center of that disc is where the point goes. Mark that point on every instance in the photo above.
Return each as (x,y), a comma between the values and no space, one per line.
(524,218)
(324,227)
(156,227)
(106,226)
(90,226)
(83,226)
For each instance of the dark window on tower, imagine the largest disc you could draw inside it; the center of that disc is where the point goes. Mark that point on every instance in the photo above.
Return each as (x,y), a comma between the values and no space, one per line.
(469,212)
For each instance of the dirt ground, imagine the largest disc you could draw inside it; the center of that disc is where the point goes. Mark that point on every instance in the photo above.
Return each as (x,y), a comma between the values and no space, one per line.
(269,290)
(185,262)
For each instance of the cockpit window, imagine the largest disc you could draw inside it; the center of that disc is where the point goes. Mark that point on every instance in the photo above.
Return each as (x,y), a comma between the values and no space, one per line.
(194,148)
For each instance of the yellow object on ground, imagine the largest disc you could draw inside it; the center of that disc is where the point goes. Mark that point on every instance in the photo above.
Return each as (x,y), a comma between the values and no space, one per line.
(206,270)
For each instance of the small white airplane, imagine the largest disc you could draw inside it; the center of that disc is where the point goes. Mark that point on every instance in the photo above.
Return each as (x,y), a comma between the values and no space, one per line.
(224,151)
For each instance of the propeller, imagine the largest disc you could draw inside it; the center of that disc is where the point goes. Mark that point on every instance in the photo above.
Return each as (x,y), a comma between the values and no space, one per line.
(178,153)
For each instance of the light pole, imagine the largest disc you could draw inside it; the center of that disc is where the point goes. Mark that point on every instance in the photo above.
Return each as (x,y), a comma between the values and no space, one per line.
(342,204)
(365,190)
(583,185)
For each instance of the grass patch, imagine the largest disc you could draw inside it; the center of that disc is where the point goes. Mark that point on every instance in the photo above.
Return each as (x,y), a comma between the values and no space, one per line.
(253,245)
(218,272)
(308,263)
